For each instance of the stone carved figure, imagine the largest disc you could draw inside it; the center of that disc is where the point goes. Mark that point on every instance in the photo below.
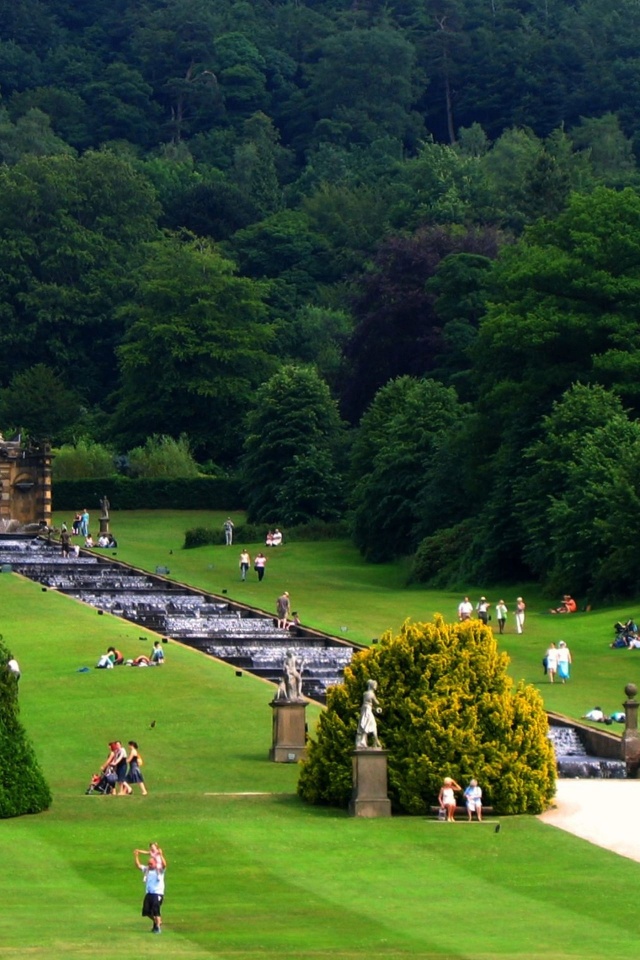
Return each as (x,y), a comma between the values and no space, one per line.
(367,726)
(104,503)
(293,668)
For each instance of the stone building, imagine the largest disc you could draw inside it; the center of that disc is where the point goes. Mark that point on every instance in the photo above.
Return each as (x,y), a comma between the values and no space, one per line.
(25,483)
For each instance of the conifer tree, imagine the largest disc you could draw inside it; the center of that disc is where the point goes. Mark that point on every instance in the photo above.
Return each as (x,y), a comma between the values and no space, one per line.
(23,788)
(448,708)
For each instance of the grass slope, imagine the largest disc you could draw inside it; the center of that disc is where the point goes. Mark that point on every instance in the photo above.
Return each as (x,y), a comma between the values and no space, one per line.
(252,871)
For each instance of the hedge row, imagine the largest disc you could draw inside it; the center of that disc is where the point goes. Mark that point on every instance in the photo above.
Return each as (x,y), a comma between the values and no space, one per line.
(255,533)
(123,493)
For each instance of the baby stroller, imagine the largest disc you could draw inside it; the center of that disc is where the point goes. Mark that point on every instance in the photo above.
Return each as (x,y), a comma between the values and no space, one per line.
(102,782)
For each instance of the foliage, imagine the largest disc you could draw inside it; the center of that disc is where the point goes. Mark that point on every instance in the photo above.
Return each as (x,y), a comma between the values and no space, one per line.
(195,350)
(394,458)
(23,788)
(38,402)
(440,558)
(578,497)
(84,459)
(201,493)
(448,708)
(162,456)
(292,450)
(398,330)
(315,530)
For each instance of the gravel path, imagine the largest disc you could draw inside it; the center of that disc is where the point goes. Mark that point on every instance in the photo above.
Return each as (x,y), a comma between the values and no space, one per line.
(604,812)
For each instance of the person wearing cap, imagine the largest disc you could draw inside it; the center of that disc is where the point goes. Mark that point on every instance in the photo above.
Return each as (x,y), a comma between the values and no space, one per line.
(564,661)
(482,609)
(520,609)
(447,799)
(501,615)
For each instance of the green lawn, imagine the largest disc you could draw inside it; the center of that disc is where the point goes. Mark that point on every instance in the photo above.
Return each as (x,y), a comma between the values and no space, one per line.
(252,871)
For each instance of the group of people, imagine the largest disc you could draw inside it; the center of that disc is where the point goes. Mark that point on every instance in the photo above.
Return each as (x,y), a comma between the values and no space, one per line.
(626,635)
(121,770)
(482,608)
(114,658)
(557,662)
(274,538)
(259,564)
(472,797)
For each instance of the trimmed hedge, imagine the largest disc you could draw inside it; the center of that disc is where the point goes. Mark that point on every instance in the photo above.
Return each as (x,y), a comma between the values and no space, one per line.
(255,533)
(199,493)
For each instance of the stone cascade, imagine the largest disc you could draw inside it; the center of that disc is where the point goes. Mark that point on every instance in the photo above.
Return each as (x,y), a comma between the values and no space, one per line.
(248,639)
(574,761)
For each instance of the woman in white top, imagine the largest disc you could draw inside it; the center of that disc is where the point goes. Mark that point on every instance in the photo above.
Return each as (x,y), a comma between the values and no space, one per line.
(552,662)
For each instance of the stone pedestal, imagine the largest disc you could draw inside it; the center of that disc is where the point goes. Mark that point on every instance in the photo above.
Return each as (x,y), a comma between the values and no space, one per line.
(369,797)
(104,524)
(631,735)
(289,731)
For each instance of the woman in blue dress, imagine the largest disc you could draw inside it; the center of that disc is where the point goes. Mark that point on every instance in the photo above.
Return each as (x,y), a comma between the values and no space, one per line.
(135,762)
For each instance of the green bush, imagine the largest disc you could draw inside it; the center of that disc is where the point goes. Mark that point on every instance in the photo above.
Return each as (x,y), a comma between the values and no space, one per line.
(23,788)
(163,456)
(448,708)
(83,460)
(200,493)
(256,533)
(439,560)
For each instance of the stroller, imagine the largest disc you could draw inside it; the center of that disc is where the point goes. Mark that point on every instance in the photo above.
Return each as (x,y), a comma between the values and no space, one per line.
(102,783)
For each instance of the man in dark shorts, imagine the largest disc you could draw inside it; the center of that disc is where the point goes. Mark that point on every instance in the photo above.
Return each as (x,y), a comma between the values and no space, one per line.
(153,876)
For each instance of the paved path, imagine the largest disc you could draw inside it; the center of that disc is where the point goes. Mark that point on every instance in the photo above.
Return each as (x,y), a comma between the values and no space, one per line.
(604,812)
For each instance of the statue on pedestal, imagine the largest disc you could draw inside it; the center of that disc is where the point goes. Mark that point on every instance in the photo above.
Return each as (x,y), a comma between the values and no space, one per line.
(292,671)
(367,726)
(104,503)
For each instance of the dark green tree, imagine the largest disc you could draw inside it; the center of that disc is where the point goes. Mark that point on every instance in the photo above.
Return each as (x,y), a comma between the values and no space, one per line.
(39,402)
(293,450)
(393,458)
(196,348)
(578,499)
(23,788)
(448,706)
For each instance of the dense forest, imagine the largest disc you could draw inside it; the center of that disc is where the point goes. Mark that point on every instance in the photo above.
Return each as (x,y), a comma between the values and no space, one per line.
(378,261)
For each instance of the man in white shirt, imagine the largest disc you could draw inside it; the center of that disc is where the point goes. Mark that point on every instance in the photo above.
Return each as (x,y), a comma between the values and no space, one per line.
(153,876)
(465,609)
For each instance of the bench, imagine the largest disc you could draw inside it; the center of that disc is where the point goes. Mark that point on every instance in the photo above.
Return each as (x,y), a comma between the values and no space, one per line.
(461,812)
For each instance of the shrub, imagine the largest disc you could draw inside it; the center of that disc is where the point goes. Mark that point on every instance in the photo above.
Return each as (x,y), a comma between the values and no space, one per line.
(440,558)
(23,788)
(163,456)
(83,460)
(449,708)
(200,493)
(255,533)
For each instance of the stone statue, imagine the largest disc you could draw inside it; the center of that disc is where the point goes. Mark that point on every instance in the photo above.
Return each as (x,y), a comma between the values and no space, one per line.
(293,676)
(104,503)
(367,725)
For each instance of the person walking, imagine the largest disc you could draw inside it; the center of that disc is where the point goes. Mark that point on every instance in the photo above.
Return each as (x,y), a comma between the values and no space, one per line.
(482,610)
(228,531)
(283,609)
(551,658)
(259,564)
(245,563)
(153,877)
(501,615)
(465,609)
(520,611)
(564,661)
(135,762)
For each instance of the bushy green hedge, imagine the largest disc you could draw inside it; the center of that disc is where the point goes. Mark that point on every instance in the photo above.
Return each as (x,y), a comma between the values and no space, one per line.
(200,493)
(23,788)
(256,533)
(448,709)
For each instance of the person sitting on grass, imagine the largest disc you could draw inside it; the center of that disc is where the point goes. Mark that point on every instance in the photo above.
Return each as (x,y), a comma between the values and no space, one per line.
(568,605)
